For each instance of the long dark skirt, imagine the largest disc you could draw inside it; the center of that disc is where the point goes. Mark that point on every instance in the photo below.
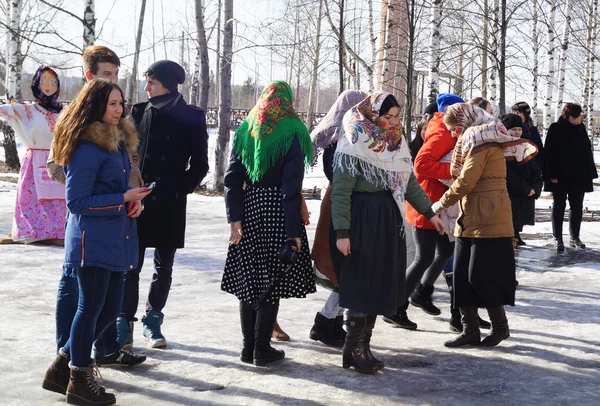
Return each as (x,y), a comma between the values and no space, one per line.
(253,263)
(484,272)
(372,278)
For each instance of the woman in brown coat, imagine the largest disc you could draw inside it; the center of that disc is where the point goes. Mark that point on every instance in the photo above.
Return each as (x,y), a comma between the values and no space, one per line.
(484,263)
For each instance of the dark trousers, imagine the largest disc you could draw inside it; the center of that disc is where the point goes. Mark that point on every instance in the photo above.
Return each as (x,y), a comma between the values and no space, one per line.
(432,253)
(67,301)
(100,299)
(559,204)
(484,272)
(159,287)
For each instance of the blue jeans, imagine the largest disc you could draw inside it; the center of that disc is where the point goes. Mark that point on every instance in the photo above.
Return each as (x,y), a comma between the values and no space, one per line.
(66,307)
(100,299)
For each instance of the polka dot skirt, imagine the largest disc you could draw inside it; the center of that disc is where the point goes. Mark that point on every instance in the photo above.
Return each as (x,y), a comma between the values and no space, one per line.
(253,263)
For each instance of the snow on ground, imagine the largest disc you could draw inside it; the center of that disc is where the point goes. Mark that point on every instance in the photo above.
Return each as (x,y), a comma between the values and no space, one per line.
(551,358)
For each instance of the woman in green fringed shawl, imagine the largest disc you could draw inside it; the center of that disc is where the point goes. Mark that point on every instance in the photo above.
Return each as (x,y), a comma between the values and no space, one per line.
(263,186)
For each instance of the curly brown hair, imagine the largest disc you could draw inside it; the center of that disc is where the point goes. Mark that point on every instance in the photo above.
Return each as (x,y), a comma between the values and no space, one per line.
(89,106)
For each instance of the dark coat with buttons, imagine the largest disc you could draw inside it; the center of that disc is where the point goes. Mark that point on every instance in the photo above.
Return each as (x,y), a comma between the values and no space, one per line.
(99,232)
(174,154)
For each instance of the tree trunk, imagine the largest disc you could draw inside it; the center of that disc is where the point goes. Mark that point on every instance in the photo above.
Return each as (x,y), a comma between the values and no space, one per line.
(562,60)
(434,50)
(389,32)
(312,98)
(494,53)
(502,64)
(410,69)
(222,148)
(591,75)
(484,50)
(13,82)
(381,51)
(372,40)
(218,57)
(459,82)
(89,24)
(535,71)
(201,67)
(132,92)
(341,47)
(550,78)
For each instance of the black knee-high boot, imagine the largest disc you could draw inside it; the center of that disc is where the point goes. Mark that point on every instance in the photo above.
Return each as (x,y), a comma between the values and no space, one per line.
(248,319)
(354,353)
(369,326)
(263,329)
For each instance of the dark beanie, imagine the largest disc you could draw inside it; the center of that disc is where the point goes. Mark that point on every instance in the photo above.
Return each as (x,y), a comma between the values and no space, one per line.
(511,121)
(169,73)
(431,108)
(522,107)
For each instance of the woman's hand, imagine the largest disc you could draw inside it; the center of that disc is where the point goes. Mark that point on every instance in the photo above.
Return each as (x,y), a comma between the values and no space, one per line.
(236,233)
(298,243)
(135,208)
(343,245)
(531,193)
(136,194)
(554,180)
(438,224)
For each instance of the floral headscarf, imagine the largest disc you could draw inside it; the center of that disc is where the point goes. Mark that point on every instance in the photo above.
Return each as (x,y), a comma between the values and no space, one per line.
(48,102)
(482,131)
(381,157)
(267,133)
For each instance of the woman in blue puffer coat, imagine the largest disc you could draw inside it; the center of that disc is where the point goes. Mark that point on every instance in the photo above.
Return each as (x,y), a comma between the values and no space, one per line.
(101,236)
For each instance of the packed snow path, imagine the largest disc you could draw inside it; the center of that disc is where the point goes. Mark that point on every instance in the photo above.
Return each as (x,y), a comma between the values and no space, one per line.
(551,358)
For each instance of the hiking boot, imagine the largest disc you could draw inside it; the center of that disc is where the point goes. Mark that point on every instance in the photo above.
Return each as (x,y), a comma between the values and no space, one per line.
(121,358)
(152,322)
(576,243)
(57,376)
(125,332)
(83,389)
(421,298)
(322,331)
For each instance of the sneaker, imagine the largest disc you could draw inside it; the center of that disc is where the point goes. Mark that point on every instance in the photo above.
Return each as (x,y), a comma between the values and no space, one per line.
(576,243)
(400,320)
(121,358)
(125,332)
(152,322)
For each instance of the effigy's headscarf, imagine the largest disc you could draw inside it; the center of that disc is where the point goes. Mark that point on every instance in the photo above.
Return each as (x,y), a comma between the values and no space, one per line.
(482,131)
(267,133)
(50,103)
(327,131)
(381,157)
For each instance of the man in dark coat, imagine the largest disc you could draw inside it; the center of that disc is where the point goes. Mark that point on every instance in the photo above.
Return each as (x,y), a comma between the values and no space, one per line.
(173,154)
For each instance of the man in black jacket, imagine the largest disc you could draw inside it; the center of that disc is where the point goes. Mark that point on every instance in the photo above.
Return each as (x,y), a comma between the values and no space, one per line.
(173,153)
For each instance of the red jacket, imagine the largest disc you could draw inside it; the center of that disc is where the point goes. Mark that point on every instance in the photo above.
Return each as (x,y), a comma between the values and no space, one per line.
(438,142)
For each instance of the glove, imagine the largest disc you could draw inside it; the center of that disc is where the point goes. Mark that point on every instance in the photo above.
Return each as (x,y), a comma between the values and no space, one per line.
(437,207)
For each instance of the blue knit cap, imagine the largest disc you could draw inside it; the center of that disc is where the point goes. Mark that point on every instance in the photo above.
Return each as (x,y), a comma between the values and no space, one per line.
(447,99)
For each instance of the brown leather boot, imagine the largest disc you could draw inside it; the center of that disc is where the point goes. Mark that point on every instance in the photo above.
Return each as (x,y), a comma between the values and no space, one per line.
(83,389)
(57,376)
(354,353)
(279,334)
(369,326)
(471,334)
(499,330)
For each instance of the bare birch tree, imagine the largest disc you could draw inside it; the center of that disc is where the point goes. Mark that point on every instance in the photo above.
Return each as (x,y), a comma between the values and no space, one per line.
(535,70)
(562,60)
(132,88)
(222,148)
(495,24)
(591,67)
(89,24)
(13,81)
(312,98)
(550,77)
(434,50)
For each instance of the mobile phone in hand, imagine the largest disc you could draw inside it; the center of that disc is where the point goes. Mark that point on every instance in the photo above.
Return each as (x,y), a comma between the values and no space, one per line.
(150,185)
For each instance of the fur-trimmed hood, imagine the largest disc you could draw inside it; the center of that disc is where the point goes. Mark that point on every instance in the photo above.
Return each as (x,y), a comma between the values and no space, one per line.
(109,138)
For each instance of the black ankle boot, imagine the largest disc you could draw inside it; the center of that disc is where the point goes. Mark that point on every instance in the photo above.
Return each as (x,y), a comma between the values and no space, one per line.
(338,329)
(499,330)
(322,331)
(354,353)
(263,329)
(400,319)
(559,245)
(519,240)
(369,326)
(470,333)
(248,320)
(421,298)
